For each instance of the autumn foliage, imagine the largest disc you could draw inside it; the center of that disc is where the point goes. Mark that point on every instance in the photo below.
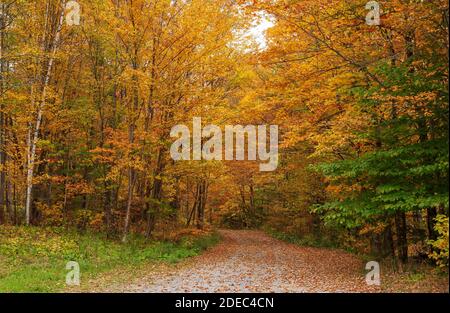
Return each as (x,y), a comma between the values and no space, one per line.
(86,113)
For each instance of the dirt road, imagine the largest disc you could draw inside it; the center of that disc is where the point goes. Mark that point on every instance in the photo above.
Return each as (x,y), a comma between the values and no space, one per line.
(251,261)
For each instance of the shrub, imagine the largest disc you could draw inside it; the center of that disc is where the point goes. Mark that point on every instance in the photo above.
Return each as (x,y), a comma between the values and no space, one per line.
(440,245)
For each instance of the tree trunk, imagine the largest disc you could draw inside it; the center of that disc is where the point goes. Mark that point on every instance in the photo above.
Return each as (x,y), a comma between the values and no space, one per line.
(131,174)
(201,206)
(33,136)
(129,203)
(431,216)
(194,206)
(202,195)
(402,243)
(155,195)
(2,116)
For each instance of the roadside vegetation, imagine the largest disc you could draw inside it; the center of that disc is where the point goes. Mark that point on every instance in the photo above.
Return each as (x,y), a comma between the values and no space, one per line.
(419,275)
(34,259)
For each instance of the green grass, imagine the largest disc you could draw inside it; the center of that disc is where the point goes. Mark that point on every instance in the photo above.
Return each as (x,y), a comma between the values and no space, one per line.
(416,277)
(34,259)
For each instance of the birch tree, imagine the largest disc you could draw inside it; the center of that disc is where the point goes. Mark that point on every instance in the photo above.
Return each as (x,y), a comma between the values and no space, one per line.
(48,47)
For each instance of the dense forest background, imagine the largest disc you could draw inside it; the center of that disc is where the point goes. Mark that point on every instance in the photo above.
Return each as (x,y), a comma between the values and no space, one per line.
(86,113)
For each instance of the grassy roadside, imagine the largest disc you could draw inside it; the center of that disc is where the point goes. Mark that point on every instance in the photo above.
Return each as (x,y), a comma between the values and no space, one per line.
(34,259)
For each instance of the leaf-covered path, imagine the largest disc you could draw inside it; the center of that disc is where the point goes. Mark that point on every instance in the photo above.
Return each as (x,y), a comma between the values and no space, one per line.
(251,261)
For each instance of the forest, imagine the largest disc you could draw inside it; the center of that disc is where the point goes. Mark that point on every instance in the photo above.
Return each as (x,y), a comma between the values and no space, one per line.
(90,91)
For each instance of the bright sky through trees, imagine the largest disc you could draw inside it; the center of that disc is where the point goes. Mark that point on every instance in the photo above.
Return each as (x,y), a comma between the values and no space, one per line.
(259,28)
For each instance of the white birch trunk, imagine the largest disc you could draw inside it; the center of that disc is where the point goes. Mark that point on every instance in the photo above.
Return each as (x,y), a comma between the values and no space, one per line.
(34,133)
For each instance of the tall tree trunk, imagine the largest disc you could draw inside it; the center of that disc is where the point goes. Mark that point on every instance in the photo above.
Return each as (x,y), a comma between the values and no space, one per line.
(33,136)
(131,172)
(155,195)
(2,115)
(194,206)
(201,206)
(203,193)
(129,203)
(402,242)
